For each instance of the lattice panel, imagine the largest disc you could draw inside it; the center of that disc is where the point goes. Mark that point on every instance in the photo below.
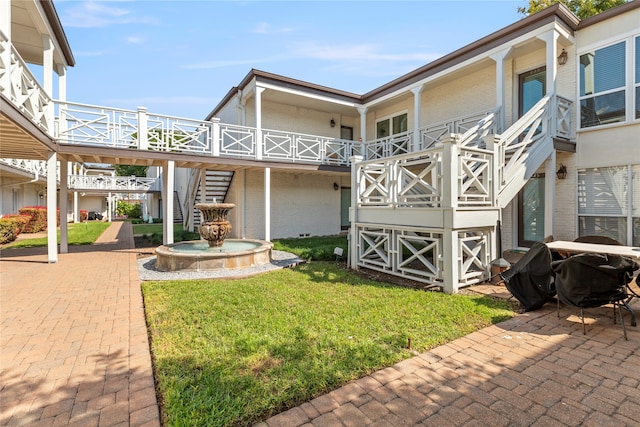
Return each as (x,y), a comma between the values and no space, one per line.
(420,181)
(474,180)
(374,180)
(237,140)
(419,255)
(473,253)
(374,248)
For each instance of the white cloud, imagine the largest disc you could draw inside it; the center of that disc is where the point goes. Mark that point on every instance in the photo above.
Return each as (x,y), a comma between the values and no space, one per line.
(134,40)
(92,14)
(266,28)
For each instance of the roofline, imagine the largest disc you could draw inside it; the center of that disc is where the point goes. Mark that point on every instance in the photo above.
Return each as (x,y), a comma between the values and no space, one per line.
(484,44)
(609,13)
(283,81)
(58,31)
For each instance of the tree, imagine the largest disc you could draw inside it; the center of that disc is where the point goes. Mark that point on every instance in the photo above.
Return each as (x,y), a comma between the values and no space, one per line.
(129,170)
(581,8)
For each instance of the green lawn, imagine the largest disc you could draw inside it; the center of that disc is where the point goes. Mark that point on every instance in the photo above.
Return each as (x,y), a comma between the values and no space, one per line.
(84,233)
(153,228)
(234,352)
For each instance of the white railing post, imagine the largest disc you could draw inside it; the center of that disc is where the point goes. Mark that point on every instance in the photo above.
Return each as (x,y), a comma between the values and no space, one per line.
(450,171)
(143,138)
(215,137)
(492,145)
(5,48)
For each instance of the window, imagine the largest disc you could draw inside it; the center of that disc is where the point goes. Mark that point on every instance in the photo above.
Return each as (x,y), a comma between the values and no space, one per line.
(602,86)
(637,80)
(609,203)
(391,126)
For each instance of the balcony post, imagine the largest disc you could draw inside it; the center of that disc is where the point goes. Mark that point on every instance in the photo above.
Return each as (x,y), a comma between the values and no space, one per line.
(450,171)
(417,112)
(259,142)
(353,211)
(47,70)
(64,207)
(215,137)
(168,181)
(143,135)
(490,143)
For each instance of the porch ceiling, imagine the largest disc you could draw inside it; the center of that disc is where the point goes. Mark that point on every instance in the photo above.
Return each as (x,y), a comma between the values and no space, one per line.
(20,138)
(309,102)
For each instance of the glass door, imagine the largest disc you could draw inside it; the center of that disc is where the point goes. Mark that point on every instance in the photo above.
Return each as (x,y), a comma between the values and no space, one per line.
(531,212)
(532,88)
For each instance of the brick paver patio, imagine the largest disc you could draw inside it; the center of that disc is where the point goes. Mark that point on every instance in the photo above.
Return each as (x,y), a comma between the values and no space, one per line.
(75,352)
(73,337)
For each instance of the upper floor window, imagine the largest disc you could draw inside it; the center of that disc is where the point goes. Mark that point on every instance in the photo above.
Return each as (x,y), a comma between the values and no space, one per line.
(392,126)
(602,86)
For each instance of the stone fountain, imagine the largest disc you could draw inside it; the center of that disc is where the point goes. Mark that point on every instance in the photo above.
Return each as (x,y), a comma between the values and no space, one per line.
(218,252)
(215,227)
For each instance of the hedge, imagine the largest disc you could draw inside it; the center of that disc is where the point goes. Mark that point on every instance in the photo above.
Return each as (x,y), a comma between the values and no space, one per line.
(11,226)
(38,218)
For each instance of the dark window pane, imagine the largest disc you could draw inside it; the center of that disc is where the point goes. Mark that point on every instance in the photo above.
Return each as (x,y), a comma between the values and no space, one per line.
(602,109)
(616,228)
(602,70)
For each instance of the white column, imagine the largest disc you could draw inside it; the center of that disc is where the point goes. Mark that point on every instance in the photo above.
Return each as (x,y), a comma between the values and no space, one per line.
(499,58)
(52,187)
(353,213)
(417,108)
(109,206)
(64,207)
(267,204)
(47,69)
(168,180)
(5,24)
(363,123)
(259,145)
(241,176)
(549,194)
(76,208)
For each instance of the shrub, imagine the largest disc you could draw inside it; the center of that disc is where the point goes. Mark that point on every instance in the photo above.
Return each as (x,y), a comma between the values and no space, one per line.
(84,215)
(11,226)
(37,218)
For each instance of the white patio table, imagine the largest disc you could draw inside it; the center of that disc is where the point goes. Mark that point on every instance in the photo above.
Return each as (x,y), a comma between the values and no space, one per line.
(577,247)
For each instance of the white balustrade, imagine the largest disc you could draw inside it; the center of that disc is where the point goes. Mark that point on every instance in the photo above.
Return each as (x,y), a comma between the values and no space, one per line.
(23,89)
(111,183)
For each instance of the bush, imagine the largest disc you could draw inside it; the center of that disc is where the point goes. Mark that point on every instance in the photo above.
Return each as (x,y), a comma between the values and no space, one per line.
(84,215)
(130,210)
(11,226)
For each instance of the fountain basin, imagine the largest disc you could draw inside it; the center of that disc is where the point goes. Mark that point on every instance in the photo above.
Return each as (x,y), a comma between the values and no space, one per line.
(198,256)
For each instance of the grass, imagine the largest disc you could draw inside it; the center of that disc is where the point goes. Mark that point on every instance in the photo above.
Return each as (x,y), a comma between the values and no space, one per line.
(153,228)
(317,248)
(234,352)
(84,233)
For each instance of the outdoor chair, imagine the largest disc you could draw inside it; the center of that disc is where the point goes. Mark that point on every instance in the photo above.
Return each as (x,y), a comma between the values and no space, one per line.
(591,280)
(530,280)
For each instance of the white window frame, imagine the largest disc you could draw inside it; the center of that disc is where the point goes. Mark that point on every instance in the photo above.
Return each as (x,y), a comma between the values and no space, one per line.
(389,119)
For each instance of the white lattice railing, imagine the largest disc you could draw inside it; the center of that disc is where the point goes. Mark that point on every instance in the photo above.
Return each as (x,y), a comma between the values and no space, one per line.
(111,183)
(473,128)
(418,253)
(418,179)
(19,85)
(36,167)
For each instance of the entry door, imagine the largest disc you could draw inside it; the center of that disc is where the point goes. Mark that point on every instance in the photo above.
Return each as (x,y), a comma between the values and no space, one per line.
(532,88)
(531,212)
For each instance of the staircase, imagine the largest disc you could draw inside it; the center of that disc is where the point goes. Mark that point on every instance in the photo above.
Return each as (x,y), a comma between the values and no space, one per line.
(430,215)
(216,187)
(177,209)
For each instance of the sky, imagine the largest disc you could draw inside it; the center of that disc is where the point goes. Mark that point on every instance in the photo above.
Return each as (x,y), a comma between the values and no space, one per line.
(181,57)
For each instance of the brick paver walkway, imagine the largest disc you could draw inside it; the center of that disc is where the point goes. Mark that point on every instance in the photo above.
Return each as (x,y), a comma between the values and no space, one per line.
(75,352)
(74,347)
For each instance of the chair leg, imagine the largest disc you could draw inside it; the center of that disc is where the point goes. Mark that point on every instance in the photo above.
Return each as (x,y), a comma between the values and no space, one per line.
(624,328)
(584,328)
(558,306)
(630,310)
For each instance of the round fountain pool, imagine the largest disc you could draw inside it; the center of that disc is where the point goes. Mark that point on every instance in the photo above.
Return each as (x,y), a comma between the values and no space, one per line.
(198,256)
